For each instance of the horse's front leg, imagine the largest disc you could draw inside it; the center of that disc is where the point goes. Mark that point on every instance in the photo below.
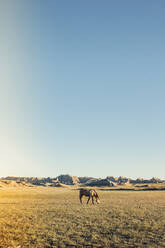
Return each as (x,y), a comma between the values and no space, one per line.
(92,200)
(88,199)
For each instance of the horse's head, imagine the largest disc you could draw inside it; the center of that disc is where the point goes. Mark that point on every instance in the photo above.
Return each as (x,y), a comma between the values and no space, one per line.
(97,198)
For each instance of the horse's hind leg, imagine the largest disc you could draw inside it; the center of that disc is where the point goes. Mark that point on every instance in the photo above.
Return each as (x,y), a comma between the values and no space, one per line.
(88,199)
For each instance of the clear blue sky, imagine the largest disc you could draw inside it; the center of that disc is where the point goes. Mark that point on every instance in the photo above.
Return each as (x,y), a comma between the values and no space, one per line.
(82,88)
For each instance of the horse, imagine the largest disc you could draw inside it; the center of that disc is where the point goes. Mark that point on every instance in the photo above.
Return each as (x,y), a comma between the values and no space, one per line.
(90,193)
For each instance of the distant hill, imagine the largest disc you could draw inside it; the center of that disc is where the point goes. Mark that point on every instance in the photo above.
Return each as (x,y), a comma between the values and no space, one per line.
(68,179)
(15,184)
(62,180)
(100,182)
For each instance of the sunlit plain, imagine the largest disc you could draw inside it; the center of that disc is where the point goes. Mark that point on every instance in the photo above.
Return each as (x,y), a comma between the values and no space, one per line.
(50,217)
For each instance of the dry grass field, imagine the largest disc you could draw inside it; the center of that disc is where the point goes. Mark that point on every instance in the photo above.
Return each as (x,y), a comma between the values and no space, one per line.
(45,217)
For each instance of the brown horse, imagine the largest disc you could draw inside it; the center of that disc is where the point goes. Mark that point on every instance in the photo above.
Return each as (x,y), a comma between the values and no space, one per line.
(90,193)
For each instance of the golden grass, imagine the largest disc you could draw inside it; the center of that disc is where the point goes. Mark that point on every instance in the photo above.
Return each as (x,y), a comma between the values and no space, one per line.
(48,217)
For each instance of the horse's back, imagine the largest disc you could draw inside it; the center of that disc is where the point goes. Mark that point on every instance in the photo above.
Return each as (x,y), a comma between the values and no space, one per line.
(85,192)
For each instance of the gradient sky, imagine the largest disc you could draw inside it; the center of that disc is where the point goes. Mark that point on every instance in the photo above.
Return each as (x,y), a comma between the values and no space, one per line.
(82,88)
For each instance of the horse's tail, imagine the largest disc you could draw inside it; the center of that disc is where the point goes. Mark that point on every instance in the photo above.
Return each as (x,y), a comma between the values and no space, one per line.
(80,196)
